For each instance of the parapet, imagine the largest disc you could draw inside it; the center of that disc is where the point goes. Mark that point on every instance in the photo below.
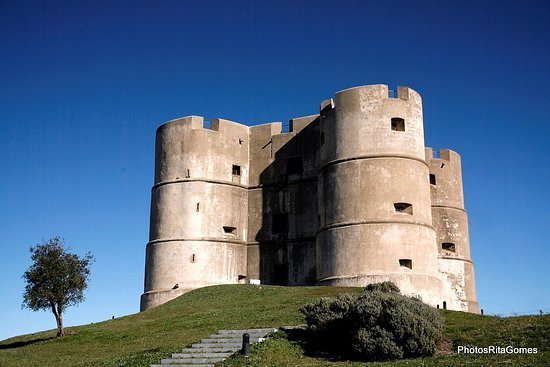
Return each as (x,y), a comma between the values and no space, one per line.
(443,154)
(381,91)
(198,123)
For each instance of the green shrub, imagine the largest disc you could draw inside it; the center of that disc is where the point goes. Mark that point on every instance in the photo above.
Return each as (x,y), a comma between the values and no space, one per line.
(382,287)
(378,325)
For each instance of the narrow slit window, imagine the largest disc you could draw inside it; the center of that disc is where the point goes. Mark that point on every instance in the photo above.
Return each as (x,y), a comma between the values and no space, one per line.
(397,124)
(405,208)
(294,165)
(322,138)
(405,263)
(193,258)
(230,230)
(236,170)
(198,206)
(448,246)
(432,179)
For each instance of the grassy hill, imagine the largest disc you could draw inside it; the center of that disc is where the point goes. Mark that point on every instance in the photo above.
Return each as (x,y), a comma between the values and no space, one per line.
(144,338)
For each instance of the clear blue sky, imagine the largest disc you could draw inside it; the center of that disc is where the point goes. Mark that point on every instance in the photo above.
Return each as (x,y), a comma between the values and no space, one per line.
(84,85)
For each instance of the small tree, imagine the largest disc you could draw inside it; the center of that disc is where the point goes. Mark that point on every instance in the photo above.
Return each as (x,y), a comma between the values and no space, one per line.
(56,279)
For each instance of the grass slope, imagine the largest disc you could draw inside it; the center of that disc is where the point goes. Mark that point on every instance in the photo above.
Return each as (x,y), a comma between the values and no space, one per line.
(144,338)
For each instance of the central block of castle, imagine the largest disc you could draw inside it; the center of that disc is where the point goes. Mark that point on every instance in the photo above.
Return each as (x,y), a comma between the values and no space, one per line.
(348,197)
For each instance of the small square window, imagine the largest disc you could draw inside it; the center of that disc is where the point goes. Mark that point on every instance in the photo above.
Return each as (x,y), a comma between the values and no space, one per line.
(405,263)
(230,230)
(432,179)
(448,246)
(397,124)
(236,170)
(405,208)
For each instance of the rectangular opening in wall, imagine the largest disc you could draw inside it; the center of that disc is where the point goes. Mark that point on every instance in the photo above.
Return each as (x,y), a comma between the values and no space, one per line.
(294,165)
(236,170)
(448,246)
(405,263)
(397,124)
(432,179)
(322,138)
(405,208)
(193,258)
(280,223)
(230,230)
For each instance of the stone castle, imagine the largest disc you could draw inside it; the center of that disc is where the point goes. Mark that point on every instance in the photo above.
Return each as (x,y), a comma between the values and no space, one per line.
(347,197)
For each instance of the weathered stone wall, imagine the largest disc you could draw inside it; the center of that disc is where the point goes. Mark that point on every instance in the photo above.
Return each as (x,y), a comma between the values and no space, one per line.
(346,197)
(451,224)
(199,208)
(283,202)
(367,168)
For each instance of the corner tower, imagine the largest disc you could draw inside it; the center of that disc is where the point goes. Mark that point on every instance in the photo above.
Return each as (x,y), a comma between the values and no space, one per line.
(451,225)
(374,193)
(199,208)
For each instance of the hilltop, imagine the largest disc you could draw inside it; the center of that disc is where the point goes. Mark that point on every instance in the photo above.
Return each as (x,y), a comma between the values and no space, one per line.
(146,337)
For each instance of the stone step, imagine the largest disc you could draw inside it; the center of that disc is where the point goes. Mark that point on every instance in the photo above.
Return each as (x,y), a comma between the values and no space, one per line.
(216,345)
(201,355)
(211,350)
(236,335)
(229,340)
(191,360)
(249,331)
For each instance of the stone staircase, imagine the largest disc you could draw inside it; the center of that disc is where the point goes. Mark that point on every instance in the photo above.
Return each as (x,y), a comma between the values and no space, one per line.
(215,348)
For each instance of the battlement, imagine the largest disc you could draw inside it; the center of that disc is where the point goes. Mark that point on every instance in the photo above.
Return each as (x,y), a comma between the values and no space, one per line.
(199,123)
(380,92)
(442,154)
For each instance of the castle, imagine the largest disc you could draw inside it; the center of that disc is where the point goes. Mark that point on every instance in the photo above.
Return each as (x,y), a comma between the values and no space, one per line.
(347,197)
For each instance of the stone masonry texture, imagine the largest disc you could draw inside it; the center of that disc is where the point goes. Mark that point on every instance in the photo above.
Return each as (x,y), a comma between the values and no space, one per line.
(350,196)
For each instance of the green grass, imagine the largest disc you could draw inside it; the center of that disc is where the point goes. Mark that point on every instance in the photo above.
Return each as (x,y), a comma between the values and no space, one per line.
(145,338)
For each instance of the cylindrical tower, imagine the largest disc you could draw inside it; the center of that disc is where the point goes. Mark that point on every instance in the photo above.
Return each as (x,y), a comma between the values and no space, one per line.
(199,208)
(451,224)
(374,196)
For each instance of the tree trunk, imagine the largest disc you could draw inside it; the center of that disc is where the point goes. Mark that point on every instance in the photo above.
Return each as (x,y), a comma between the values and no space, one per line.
(58,319)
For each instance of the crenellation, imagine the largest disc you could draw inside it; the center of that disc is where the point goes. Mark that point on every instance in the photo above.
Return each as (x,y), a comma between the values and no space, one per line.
(349,196)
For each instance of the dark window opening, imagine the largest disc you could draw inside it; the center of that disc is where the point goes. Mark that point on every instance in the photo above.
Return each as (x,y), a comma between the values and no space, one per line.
(236,170)
(432,179)
(280,274)
(322,138)
(280,223)
(448,246)
(193,258)
(294,165)
(397,124)
(198,206)
(240,141)
(406,263)
(444,305)
(188,174)
(403,208)
(230,230)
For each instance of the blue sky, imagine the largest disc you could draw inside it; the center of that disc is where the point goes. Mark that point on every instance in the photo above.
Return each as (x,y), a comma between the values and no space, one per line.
(84,85)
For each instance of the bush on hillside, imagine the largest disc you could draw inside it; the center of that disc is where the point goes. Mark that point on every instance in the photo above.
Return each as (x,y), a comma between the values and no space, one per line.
(382,287)
(378,325)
